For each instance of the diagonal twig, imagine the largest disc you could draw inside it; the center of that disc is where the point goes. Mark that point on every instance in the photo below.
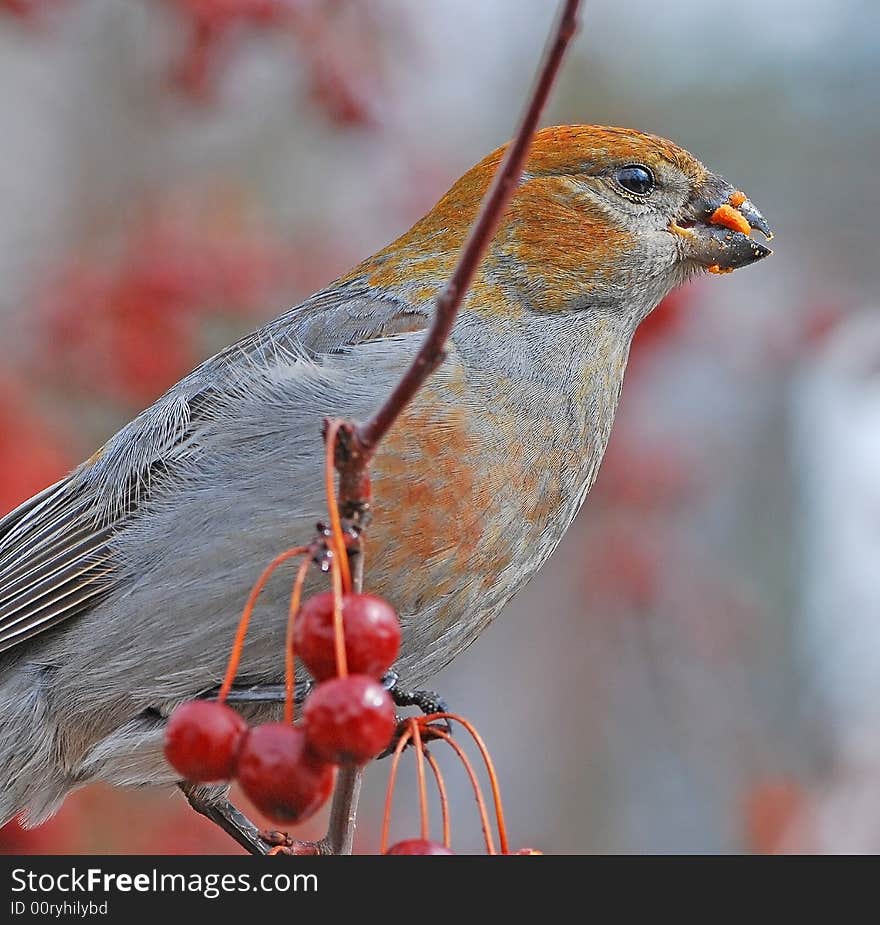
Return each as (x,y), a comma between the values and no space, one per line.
(358,443)
(355,445)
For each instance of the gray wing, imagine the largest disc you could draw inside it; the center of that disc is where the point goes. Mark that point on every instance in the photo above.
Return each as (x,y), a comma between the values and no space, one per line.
(53,562)
(56,559)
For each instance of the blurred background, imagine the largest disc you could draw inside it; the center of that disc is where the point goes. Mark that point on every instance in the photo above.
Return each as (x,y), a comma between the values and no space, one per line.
(697,668)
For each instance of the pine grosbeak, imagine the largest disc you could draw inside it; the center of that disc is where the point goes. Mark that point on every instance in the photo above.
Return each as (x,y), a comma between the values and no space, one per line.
(120,586)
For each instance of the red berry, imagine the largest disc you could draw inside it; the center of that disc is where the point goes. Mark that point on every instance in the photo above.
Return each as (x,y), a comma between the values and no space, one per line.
(202,740)
(281,775)
(349,719)
(418,846)
(372,635)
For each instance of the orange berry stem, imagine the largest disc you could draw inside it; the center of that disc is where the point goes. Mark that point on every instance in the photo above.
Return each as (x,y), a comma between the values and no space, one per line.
(238,642)
(289,662)
(389,793)
(444,798)
(338,539)
(423,788)
(475,784)
(338,628)
(490,770)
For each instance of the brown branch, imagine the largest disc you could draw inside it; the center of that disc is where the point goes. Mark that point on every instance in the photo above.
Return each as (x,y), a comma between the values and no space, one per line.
(339,839)
(358,444)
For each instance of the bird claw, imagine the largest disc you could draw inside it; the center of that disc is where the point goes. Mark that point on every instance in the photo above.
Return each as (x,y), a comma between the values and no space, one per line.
(428,703)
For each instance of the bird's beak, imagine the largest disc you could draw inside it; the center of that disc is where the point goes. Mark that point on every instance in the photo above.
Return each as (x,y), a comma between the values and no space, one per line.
(716,225)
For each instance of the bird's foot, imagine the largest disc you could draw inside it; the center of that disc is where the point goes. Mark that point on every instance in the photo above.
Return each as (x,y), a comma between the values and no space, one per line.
(429,702)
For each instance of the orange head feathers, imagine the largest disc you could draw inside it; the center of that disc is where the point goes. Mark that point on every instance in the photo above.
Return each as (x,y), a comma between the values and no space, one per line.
(599,212)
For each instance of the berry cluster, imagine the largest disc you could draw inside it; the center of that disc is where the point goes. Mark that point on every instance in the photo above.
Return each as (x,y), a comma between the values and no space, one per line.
(286,770)
(347,641)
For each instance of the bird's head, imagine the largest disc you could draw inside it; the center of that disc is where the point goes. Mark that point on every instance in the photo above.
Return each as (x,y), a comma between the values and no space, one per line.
(603,218)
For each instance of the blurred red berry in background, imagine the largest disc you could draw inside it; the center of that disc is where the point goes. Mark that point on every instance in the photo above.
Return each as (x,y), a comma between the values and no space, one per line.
(127,328)
(32,12)
(31,454)
(771,806)
(332,42)
(664,323)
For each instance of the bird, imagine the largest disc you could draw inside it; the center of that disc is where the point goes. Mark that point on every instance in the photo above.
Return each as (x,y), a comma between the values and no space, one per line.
(121,585)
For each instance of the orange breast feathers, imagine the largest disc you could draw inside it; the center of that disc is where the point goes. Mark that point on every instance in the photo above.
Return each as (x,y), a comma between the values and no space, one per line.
(459,490)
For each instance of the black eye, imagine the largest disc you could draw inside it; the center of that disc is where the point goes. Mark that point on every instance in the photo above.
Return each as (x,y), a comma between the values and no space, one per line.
(635,178)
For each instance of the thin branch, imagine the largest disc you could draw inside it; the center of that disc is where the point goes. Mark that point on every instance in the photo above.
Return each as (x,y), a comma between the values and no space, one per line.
(356,445)
(339,839)
(347,791)
(432,352)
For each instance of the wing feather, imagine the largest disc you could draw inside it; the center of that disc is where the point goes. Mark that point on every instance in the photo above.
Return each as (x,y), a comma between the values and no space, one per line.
(53,562)
(56,555)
